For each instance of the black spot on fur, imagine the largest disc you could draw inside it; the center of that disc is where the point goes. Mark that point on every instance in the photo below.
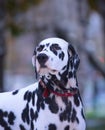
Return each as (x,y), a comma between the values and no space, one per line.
(54,48)
(76,100)
(3,123)
(22,127)
(53,106)
(15,92)
(36,115)
(66,114)
(73,116)
(76,61)
(52,127)
(70,74)
(77,120)
(6,116)
(40,48)
(11,118)
(32,125)
(32,114)
(54,51)
(64,67)
(67,127)
(65,100)
(40,101)
(30,96)
(27,96)
(61,55)
(48,100)
(82,113)
(47,44)
(25,114)
(33,98)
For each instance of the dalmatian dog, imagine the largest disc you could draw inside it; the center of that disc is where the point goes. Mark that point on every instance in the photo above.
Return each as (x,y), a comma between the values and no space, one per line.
(52,103)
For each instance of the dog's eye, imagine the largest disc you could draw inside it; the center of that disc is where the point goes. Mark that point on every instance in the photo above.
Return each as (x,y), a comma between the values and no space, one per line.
(55,47)
(40,48)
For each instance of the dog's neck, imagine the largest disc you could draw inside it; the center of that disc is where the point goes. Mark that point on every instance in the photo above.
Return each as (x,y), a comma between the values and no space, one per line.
(61,81)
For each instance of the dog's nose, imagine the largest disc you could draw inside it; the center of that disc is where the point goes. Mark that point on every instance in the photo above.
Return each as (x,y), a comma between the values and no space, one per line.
(42,58)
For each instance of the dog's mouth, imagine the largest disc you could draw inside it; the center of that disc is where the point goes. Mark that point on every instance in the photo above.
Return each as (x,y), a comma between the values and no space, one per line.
(46,64)
(43,66)
(46,70)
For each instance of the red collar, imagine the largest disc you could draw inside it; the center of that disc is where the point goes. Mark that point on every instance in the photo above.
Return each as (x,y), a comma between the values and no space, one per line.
(47,91)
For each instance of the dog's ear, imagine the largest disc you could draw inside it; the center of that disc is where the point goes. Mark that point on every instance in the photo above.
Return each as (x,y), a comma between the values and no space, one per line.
(34,62)
(74,59)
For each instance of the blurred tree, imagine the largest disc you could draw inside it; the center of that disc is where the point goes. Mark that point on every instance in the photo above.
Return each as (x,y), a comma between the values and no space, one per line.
(15,8)
(101,8)
(98,6)
(2,40)
(9,9)
(67,20)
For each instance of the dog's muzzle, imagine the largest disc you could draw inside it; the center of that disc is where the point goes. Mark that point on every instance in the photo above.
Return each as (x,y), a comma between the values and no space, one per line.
(42,59)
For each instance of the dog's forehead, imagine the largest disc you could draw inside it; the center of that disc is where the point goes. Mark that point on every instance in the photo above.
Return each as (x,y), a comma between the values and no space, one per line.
(48,42)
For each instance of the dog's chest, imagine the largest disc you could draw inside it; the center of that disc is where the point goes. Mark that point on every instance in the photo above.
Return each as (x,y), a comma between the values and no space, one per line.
(54,111)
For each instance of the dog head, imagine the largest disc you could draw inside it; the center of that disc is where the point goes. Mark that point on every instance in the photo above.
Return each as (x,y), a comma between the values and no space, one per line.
(52,56)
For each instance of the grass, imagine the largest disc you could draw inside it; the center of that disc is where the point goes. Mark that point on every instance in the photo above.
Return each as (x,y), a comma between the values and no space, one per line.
(96,123)
(97,128)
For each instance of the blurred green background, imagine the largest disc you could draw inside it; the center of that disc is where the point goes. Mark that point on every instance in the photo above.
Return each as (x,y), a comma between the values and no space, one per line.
(24,23)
